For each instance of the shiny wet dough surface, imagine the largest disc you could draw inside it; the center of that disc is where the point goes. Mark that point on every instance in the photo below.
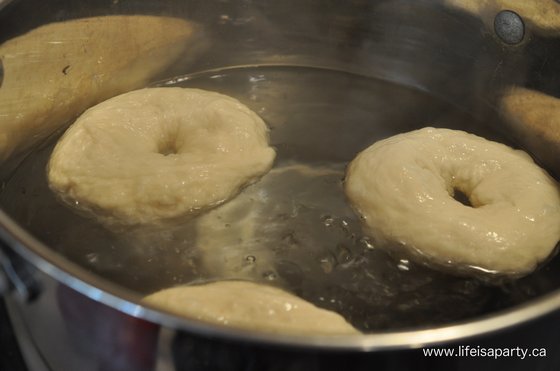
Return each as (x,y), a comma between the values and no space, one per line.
(159,153)
(250,305)
(403,187)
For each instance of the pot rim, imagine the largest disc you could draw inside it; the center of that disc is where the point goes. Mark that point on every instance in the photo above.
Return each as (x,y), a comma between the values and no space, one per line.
(112,295)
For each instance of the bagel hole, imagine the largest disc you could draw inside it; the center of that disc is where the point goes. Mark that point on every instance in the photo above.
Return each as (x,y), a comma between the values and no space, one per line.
(461,197)
(168,149)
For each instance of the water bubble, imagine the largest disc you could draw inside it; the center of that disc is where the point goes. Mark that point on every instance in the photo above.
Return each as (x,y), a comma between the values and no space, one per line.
(343,255)
(346,229)
(365,242)
(404,265)
(327,220)
(270,276)
(93,258)
(257,78)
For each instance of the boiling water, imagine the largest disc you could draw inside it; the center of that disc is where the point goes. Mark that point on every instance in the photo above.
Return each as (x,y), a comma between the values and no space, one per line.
(294,228)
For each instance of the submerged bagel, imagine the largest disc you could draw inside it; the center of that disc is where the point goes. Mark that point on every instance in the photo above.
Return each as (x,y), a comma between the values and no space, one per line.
(403,187)
(250,306)
(534,118)
(159,153)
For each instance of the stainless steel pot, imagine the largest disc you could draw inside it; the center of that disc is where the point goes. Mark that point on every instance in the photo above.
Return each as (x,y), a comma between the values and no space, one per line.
(446,62)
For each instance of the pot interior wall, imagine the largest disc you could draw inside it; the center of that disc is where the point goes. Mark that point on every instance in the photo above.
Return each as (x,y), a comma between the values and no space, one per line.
(329,80)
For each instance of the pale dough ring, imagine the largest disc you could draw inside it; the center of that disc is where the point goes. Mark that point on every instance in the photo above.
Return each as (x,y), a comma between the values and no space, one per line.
(250,306)
(403,187)
(56,71)
(159,153)
(534,118)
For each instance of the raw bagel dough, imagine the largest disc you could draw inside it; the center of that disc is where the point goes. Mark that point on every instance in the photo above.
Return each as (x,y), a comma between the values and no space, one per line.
(159,153)
(54,72)
(543,14)
(403,187)
(534,118)
(250,306)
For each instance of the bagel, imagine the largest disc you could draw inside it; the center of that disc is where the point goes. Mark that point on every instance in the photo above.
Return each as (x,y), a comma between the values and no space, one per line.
(250,306)
(534,118)
(404,189)
(56,71)
(157,154)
